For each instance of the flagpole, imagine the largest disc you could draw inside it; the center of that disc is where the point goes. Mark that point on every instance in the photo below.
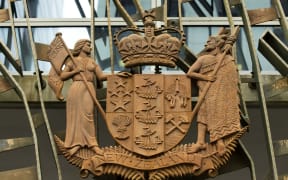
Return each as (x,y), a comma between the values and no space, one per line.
(84,79)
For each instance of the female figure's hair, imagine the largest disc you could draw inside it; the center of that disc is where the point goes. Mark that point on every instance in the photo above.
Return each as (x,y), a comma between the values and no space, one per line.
(79,45)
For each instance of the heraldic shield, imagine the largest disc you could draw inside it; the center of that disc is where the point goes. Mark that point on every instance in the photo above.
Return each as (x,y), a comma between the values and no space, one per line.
(148,113)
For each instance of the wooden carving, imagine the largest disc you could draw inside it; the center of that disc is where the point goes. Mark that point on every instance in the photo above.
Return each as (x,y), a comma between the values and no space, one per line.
(80,130)
(148,115)
(145,112)
(4,85)
(218,86)
(149,49)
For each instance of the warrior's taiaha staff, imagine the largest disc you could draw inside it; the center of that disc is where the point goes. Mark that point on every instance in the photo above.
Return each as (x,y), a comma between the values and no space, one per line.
(84,79)
(227,48)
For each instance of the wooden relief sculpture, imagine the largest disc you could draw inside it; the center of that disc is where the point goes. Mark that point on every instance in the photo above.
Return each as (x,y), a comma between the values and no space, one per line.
(148,115)
(218,85)
(80,130)
(145,112)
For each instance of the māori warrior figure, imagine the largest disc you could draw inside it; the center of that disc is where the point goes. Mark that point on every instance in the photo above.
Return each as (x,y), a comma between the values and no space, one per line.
(219,114)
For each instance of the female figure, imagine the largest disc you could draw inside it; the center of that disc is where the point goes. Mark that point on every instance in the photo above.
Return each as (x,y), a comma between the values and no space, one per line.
(80,128)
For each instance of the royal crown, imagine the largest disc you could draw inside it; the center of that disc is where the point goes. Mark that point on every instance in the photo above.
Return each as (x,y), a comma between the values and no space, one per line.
(149,46)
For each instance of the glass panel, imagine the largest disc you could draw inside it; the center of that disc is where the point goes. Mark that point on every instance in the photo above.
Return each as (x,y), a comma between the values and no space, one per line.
(19,9)
(81,8)
(243,53)
(213,8)
(285,6)
(39,8)
(127,4)
(73,8)
(76,9)
(40,35)
(5,38)
(102,49)
(71,35)
(196,36)
(102,53)
(197,8)
(172,8)
(254,4)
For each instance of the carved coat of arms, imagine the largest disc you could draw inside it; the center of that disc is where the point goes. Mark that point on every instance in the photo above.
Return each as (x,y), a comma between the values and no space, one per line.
(148,115)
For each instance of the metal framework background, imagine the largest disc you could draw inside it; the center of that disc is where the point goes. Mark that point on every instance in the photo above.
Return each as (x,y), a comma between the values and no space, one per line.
(45,106)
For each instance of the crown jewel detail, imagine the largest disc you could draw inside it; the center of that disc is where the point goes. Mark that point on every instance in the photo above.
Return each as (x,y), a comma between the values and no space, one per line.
(149,46)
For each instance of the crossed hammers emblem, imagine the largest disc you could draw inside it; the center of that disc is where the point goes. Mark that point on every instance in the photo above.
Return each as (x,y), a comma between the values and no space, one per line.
(176,122)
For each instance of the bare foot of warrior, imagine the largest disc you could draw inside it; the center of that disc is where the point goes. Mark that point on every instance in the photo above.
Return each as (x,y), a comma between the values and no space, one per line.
(197,147)
(200,144)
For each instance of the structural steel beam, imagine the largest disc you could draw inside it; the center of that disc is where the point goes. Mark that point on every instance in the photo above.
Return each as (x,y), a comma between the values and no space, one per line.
(8,54)
(15,143)
(28,173)
(85,22)
(28,84)
(22,97)
(259,85)
(281,147)
(275,51)
(277,87)
(4,16)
